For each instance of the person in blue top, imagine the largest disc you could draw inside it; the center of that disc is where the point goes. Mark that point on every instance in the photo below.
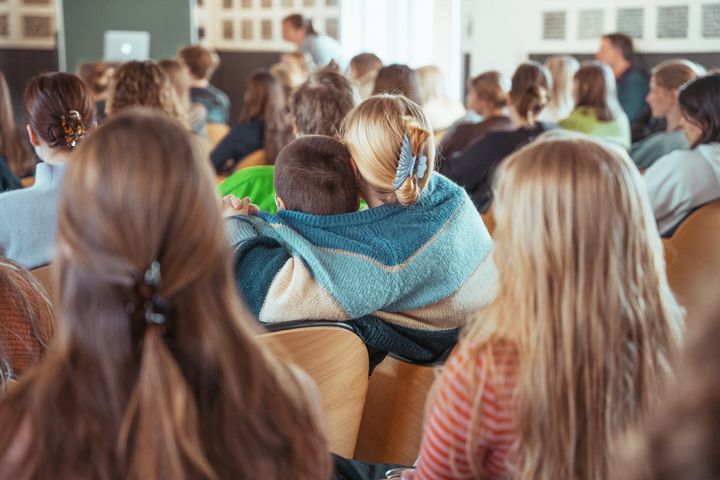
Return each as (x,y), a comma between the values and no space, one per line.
(299,30)
(202,63)
(616,50)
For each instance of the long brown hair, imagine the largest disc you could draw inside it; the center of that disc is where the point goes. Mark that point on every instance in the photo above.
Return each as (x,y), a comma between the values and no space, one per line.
(12,141)
(583,299)
(596,90)
(264,100)
(530,90)
(154,376)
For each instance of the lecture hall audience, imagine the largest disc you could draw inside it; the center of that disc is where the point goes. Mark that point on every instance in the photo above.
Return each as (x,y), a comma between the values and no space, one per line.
(15,159)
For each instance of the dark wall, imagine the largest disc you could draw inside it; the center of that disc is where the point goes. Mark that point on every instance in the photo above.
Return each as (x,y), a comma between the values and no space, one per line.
(19,66)
(646,61)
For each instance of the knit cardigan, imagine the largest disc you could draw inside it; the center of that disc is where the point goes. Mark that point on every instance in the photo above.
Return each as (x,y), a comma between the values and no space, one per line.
(406,277)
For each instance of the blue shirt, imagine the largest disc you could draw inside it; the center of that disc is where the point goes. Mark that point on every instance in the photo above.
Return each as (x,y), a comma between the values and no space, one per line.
(323,50)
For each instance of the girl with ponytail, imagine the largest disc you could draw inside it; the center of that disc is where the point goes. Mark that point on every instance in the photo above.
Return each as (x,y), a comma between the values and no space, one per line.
(407,271)
(155,372)
(474,168)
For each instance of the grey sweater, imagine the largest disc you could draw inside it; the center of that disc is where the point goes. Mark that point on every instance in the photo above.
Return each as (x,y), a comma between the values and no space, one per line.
(28,218)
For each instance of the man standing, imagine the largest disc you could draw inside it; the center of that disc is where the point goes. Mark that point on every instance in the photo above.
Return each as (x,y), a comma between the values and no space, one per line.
(616,49)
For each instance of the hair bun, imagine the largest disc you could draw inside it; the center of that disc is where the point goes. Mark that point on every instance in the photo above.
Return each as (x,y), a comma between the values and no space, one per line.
(73,128)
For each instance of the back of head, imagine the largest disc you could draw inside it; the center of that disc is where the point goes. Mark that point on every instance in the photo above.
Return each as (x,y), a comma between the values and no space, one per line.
(596,89)
(431,83)
(490,87)
(201,61)
(59,109)
(179,79)
(320,105)
(673,74)
(96,76)
(364,64)
(699,100)
(563,69)
(374,132)
(400,80)
(594,321)
(314,174)
(13,141)
(530,90)
(623,43)
(144,84)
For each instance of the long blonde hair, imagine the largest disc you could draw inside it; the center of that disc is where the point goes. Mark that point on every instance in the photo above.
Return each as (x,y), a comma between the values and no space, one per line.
(563,69)
(374,131)
(583,298)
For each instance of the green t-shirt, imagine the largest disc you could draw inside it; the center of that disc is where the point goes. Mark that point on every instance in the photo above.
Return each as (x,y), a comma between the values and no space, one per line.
(253,182)
(584,120)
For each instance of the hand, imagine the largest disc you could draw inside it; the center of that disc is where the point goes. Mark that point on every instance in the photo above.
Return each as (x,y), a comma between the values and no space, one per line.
(233,206)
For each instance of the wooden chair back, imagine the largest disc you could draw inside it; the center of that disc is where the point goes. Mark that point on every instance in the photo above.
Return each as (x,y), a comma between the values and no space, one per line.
(254,159)
(489,220)
(216,132)
(337,360)
(392,423)
(693,261)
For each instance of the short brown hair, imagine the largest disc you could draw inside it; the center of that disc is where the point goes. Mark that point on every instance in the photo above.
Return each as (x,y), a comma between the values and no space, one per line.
(623,42)
(489,87)
(314,174)
(365,63)
(398,79)
(202,62)
(320,105)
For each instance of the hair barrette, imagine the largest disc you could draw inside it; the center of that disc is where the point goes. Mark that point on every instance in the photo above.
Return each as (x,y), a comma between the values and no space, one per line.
(409,164)
(73,128)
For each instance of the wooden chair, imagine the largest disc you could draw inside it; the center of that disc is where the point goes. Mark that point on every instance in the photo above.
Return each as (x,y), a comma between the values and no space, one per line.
(27,181)
(693,261)
(216,132)
(392,423)
(254,159)
(44,276)
(337,360)
(489,220)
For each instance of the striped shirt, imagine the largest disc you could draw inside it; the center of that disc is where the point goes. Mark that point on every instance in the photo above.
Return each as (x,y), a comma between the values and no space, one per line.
(443,454)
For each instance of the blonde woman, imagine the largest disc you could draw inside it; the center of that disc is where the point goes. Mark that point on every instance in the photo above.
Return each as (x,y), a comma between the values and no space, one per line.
(561,103)
(577,344)
(441,110)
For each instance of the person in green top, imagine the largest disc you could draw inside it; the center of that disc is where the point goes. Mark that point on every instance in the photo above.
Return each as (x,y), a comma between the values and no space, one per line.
(597,111)
(667,77)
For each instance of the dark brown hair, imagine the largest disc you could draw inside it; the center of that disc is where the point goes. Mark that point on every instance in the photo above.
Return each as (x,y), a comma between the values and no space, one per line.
(400,80)
(264,100)
(299,22)
(596,89)
(50,100)
(96,76)
(700,102)
(320,105)
(623,42)
(365,63)
(488,86)
(314,174)
(188,395)
(13,144)
(202,62)
(529,91)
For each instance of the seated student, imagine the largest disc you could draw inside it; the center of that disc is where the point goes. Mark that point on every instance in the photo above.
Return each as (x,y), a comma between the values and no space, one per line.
(684,180)
(26,321)
(442,111)
(474,168)
(202,63)
(407,294)
(363,71)
(59,111)
(156,372)
(561,103)
(97,77)
(15,159)
(564,360)
(398,79)
(179,79)
(263,124)
(144,84)
(487,96)
(665,81)
(597,111)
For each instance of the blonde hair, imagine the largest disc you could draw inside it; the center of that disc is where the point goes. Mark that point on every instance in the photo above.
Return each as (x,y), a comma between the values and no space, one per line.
(492,87)
(374,131)
(430,82)
(584,300)
(563,69)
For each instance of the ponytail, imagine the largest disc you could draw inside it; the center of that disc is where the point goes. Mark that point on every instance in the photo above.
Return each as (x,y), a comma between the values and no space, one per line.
(532,103)
(159,435)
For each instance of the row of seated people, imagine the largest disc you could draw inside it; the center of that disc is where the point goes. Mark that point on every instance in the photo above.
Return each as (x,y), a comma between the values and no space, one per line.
(155,371)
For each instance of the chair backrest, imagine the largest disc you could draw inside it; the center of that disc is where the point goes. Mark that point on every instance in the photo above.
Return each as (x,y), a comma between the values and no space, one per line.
(253,159)
(216,132)
(337,360)
(693,261)
(44,276)
(28,181)
(392,423)
(489,220)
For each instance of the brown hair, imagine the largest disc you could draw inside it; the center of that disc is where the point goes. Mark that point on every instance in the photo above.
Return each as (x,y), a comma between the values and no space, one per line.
(529,91)
(314,174)
(299,22)
(179,79)
(365,63)
(399,80)
(264,100)
(673,74)
(154,376)
(202,62)
(320,105)
(699,100)
(13,143)
(596,89)
(144,84)
(96,75)
(623,42)
(27,320)
(59,109)
(488,86)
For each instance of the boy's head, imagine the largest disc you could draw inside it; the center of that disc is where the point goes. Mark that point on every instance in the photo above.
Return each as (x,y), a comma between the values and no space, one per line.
(314,174)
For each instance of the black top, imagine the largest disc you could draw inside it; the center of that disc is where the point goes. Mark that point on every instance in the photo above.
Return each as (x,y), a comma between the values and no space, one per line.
(465,134)
(8,180)
(243,139)
(474,168)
